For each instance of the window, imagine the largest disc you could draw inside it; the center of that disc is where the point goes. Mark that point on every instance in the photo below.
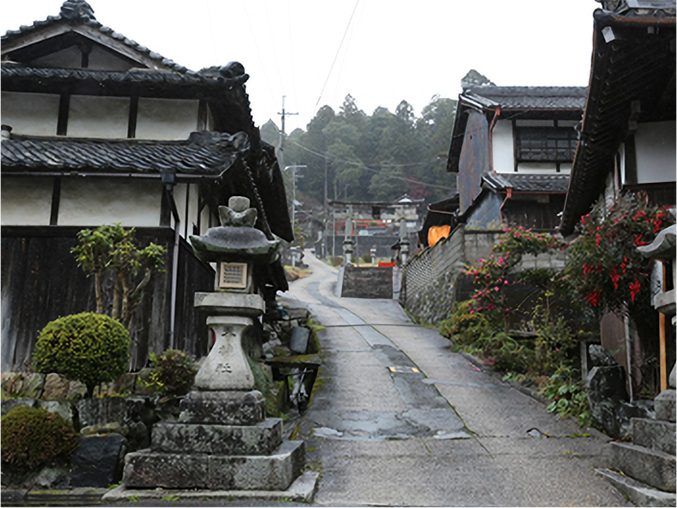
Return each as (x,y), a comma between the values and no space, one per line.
(545,144)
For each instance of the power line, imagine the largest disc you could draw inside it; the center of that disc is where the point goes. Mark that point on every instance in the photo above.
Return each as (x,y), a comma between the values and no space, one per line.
(357,2)
(368,168)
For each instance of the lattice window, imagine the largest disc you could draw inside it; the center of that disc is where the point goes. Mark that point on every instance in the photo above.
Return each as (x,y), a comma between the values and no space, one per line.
(545,144)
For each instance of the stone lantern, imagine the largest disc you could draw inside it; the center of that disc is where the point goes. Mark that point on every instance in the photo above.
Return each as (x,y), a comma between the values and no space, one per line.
(222,440)
(236,247)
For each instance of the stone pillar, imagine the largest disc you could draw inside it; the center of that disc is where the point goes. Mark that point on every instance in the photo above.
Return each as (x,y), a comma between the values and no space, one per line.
(348,242)
(663,248)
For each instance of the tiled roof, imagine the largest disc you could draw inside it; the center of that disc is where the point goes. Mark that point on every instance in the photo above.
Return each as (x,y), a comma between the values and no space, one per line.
(528,97)
(139,76)
(527,182)
(632,80)
(204,154)
(79,10)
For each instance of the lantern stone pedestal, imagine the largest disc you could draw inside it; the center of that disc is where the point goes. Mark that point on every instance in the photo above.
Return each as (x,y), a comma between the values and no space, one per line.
(222,445)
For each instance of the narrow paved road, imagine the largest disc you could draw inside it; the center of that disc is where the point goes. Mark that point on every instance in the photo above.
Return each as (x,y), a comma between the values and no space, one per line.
(398,419)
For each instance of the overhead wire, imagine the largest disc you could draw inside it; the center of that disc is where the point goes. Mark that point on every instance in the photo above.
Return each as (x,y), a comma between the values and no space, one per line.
(345,32)
(367,167)
(258,50)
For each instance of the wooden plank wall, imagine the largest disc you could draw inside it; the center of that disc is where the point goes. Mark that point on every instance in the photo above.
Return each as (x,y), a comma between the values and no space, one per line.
(41,282)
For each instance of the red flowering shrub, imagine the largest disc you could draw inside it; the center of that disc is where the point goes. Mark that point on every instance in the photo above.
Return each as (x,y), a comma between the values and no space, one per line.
(493,276)
(604,267)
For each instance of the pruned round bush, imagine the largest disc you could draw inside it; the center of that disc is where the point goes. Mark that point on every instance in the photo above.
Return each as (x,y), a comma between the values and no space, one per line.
(87,347)
(33,438)
(173,373)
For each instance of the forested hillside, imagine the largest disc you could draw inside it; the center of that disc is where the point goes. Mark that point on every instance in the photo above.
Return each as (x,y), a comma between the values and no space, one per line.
(374,157)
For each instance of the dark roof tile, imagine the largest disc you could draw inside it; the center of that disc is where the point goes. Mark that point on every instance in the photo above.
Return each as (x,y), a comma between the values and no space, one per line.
(520,182)
(77,10)
(531,97)
(12,70)
(204,155)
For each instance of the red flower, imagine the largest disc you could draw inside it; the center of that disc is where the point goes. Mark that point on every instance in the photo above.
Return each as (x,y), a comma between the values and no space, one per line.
(615,277)
(634,289)
(638,241)
(592,298)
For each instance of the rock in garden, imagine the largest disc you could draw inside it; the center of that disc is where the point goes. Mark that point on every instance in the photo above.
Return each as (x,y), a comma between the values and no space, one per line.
(56,387)
(97,461)
(600,357)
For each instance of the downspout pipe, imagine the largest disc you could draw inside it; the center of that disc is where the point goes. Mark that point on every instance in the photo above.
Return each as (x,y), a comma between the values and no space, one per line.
(508,195)
(169,179)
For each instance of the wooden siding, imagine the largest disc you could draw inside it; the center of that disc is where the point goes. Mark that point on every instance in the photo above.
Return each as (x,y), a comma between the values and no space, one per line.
(533,215)
(41,282)
(474,160)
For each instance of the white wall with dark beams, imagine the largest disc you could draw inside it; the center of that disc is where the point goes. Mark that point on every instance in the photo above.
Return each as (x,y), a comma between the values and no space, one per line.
(100,117)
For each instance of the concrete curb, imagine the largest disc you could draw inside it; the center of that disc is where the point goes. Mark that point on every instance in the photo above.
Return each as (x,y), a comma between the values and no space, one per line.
(302,490)
(81,496)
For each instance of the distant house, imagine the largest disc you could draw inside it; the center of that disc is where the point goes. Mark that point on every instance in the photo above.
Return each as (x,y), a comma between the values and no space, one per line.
(98,129)
(512,148)
(628,133)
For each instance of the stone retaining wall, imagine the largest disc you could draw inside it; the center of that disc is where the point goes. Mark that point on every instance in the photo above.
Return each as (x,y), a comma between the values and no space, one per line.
(432,280)
(365,282)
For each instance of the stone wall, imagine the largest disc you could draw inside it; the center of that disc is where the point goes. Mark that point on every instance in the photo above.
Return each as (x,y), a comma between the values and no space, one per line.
(365,282)
(432,280)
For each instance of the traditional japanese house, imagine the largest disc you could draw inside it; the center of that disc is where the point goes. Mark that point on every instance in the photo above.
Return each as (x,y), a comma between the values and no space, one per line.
(628,131)
(98,129)
(512,148)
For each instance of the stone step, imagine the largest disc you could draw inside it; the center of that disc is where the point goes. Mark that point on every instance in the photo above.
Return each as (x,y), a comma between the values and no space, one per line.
(664,405)
(260,439)
(652,467)
(655,434)
(146,469)
(639,493)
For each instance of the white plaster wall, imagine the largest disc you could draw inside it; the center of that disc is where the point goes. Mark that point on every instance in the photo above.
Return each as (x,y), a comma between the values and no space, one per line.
(168,119)
(31,113)
(503,147)
(97,201)
(192,208)
(101,59)
(26,201)
(67,58)
(204,220)
(180,193)
(98,117)
(540,168)
(655,146)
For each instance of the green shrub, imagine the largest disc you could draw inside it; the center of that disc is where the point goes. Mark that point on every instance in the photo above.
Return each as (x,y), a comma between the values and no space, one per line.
(173,373)
(32,438)
(567,397)
(465,326)
(366,257)
(87,347)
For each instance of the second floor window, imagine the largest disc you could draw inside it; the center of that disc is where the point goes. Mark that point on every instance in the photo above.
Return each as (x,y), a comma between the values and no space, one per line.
(545,144)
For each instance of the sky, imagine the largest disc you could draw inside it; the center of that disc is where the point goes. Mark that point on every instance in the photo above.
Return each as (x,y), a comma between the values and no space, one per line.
(315,52)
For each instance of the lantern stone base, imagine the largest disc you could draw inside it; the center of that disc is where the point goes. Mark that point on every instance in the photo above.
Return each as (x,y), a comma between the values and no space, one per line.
(223,408)
(277,471)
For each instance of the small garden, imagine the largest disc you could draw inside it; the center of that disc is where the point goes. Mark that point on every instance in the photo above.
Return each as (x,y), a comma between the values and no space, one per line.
(71,416)
(527,322)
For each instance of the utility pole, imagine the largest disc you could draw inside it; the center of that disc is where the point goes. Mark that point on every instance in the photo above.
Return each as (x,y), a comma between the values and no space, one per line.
(283,133)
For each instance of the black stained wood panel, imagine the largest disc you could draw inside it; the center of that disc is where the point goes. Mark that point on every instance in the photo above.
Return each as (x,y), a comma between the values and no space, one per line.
(41,282)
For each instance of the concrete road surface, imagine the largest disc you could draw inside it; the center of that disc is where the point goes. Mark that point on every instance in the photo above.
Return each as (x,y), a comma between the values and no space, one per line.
(398,419)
